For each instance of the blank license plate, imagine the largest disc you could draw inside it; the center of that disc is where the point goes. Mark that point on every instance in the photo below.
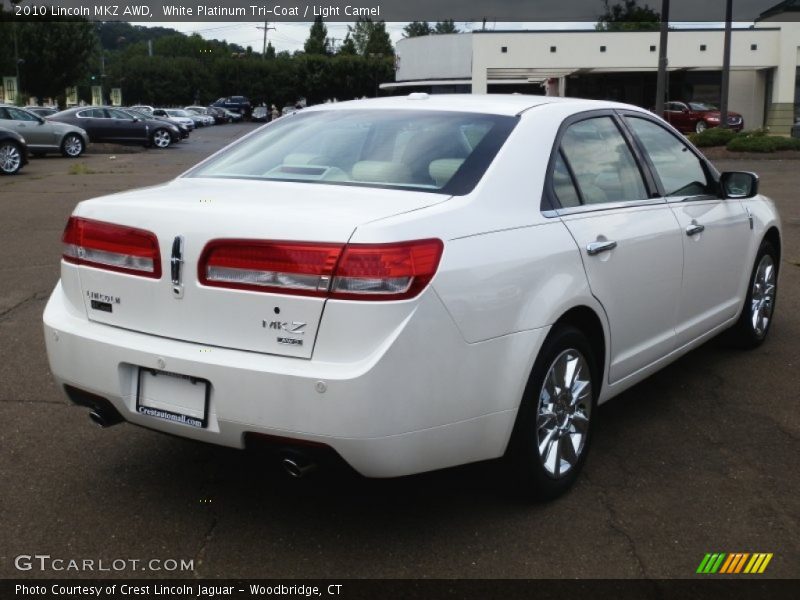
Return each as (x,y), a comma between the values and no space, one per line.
(173,397)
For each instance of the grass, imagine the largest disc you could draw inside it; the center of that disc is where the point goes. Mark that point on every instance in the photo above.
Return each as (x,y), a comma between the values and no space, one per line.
(80,169)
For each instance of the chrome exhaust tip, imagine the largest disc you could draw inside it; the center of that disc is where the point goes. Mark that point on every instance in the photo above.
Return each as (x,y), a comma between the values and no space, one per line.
(104,419)
(98,419)
(296,467)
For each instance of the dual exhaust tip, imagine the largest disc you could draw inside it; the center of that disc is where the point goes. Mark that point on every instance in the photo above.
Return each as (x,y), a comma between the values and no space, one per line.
(296,466)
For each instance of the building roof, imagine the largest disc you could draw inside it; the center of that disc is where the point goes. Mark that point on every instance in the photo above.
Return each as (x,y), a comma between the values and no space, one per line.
(781,7)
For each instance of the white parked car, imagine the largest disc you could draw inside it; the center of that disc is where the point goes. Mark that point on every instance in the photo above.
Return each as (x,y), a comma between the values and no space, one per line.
(176,115)
(412,283)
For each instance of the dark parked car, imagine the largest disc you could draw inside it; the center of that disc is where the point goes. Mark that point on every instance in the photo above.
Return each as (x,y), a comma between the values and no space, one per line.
(106,124)
(42,111)
(183,130)
(13,152)
(220,114)
(237,104)
(698,116)
(796,130)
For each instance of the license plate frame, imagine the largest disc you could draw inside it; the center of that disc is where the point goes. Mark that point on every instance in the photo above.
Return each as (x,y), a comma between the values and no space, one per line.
(161,409)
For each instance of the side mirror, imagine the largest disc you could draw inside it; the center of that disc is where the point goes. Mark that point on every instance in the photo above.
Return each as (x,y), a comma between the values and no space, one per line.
(738,184)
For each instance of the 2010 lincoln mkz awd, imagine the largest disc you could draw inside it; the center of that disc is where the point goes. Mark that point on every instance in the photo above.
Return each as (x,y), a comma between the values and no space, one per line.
(414,283)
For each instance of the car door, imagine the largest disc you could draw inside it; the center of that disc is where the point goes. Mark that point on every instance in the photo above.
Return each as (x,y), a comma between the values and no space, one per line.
(125,127)
(93,121)
(630,243)
(716,232)
(31,127)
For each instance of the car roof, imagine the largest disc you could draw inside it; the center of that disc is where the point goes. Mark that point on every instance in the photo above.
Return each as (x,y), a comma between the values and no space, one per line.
(499,104)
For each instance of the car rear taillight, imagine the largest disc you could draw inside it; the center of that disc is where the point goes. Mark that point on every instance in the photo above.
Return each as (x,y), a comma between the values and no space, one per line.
(350,272)
(111,247)
(283,267)
(386,271)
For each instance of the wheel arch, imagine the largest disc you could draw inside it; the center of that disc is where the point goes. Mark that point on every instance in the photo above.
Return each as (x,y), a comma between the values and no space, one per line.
(587,320)
(773,236)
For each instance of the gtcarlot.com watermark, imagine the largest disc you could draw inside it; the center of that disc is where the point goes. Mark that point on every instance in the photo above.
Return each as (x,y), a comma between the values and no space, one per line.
(47,563)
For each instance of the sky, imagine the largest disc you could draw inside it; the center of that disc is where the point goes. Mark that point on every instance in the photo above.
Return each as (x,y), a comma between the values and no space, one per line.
(291,36)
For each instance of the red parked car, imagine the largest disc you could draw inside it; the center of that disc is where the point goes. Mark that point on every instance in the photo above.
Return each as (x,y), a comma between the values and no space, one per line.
(698,116)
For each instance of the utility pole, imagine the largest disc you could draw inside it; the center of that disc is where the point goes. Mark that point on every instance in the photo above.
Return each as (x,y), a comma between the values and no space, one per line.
(661,81)
(726,67)
(16,61)
(266,28)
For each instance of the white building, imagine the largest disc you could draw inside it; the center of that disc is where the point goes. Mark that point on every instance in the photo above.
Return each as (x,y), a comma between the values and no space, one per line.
(764,81)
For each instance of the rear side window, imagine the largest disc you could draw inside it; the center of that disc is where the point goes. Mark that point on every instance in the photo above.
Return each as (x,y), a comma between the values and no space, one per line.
(602,163)
(444,152)
(680,171)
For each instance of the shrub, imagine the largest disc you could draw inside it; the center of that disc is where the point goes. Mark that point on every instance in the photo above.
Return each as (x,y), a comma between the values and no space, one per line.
(785,143)
(762,143)
(716,136)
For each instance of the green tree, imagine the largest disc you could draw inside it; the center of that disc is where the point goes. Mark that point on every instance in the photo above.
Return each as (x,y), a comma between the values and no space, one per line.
(446,26)
(53,55)
(270,51)
(371,38)
(417,29)
(348,47)
(628,16)
(318,42)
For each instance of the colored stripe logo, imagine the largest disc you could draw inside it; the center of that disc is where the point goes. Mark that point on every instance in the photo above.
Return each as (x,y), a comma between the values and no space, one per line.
(734,563)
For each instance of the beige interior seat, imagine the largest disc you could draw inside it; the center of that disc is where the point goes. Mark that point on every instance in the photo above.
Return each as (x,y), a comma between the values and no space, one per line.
(442,170)
(380,171)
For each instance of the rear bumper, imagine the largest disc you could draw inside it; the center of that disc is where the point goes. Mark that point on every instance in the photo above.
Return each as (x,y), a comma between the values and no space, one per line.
(406,409)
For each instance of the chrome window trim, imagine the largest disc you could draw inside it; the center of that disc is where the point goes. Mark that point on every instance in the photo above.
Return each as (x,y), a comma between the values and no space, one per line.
(592,208)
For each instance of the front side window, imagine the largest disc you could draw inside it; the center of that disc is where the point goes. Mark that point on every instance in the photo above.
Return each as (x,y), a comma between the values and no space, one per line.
(602,163)
(445,152)
(21,115)
(680,171)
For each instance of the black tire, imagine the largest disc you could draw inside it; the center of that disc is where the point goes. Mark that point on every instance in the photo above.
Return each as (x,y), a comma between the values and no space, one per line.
(10,158)
(750,331)
(72,146)
(700,127)
(528,471)
(161,139)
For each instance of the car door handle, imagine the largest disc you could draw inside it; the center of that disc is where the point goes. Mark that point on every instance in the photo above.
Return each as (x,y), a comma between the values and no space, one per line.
(694,228)
(596,248)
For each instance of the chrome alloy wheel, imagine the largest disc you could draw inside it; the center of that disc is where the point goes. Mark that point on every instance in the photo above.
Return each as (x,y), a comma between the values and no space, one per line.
(763,295)
(73,146)
(562,418)
(10,159)
(161,138)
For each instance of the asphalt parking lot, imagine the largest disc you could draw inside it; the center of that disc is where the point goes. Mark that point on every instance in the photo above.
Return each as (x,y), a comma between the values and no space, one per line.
(701,458)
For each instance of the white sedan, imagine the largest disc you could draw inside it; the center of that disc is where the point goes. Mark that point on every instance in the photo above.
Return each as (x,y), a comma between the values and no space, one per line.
(412,283)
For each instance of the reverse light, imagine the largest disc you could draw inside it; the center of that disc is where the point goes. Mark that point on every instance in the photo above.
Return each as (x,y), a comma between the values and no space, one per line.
(265,266)
(350,272)
(111,247)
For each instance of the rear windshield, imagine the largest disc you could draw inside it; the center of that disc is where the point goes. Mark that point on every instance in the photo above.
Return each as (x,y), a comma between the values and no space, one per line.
(444,152)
